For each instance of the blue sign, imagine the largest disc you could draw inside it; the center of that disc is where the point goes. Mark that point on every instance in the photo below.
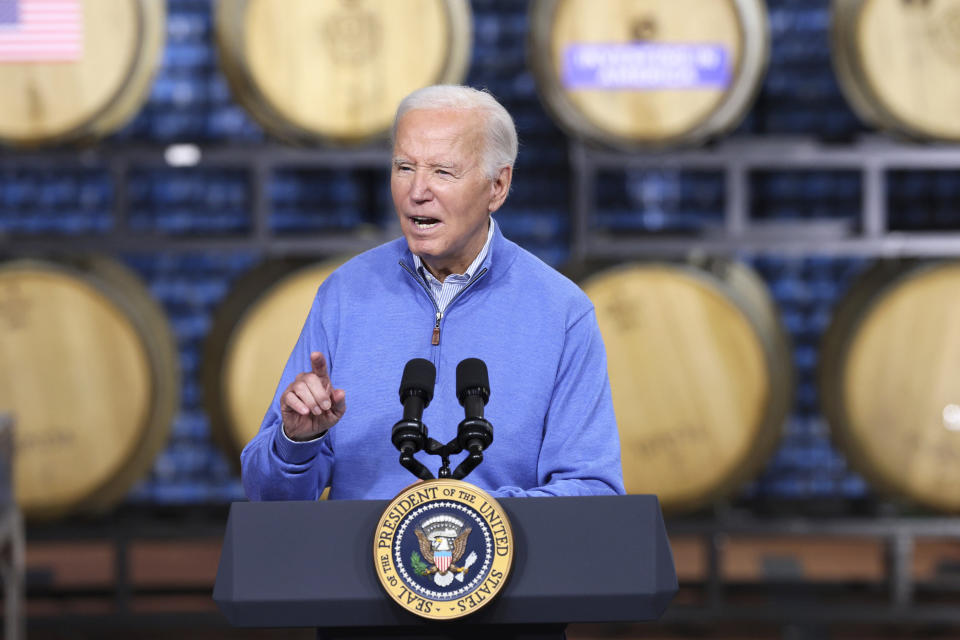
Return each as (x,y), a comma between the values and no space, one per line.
(646,66)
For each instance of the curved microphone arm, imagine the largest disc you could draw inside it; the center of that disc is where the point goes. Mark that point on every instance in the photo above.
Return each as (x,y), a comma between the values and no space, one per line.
(414,466)
(473,435)
(409,436)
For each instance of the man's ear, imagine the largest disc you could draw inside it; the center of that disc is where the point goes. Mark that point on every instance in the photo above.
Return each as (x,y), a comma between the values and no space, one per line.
(499,188)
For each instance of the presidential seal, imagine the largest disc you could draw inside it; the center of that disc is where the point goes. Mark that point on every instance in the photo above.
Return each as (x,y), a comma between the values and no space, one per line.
(443,549)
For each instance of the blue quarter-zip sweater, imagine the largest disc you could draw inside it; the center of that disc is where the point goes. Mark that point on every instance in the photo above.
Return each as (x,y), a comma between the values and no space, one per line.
(550,406)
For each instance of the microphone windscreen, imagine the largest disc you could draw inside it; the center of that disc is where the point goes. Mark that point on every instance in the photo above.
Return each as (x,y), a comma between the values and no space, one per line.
(421,375)
(472,374)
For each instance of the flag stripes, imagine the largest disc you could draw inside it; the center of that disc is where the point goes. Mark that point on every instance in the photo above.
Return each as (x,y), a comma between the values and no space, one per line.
(41,30)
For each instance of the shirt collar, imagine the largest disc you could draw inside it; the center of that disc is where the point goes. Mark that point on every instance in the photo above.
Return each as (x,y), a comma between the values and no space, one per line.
(468,274)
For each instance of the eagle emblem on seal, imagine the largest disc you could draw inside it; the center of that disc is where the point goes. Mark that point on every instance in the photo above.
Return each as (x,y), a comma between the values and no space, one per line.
(443,539)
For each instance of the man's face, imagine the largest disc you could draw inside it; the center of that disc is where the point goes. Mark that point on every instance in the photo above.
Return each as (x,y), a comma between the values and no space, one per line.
(440,191)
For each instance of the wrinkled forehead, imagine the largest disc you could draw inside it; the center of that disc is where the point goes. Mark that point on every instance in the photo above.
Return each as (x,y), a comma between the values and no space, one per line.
(428,135)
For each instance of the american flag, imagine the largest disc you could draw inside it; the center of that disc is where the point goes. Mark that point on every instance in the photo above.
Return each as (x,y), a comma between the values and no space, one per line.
(40,30)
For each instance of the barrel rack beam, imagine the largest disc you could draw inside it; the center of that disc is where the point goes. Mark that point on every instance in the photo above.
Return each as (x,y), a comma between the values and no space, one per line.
(737,158)
(260,161)
(797,601)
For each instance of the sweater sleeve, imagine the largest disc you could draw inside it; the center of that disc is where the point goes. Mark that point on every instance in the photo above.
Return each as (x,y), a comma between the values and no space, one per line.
(580,452)
(273,467)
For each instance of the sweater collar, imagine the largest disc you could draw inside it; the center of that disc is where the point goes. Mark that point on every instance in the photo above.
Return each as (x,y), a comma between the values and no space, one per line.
(502,253)
(472,268)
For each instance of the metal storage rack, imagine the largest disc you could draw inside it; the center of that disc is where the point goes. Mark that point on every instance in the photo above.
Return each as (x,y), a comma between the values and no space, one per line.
(12,542)
(736,158)
(259,161)
(892,600)
(794,603)
(117,599)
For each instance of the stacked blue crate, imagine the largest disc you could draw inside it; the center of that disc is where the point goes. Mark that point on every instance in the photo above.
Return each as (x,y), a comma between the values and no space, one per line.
(190,286)
(924,200)
(55,202)
(658,201)
(312,200)
(189,201)
(190,99)
(806,291)
(378,192)
(800,94)
(536,213)
(806,195)
(190,102)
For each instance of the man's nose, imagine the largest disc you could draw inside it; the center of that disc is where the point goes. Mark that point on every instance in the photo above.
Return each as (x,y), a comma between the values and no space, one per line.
(420,189)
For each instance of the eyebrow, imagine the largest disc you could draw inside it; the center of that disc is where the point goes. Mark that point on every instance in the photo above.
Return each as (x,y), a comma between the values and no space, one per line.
(433,165)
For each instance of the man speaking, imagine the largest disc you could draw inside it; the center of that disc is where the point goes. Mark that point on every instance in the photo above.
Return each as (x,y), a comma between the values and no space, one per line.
(452,288)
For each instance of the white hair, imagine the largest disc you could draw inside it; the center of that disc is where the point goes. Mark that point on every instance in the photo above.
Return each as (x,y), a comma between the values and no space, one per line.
(499,135)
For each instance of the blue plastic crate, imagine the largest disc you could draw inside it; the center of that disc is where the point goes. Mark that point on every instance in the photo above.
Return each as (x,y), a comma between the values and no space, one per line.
(191,425)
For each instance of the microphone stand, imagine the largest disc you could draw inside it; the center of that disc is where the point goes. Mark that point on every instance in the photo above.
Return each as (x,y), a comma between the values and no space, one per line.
(410,434)
(474,434)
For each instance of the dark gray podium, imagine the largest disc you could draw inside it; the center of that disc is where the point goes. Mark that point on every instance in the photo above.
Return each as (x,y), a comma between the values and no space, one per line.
(310,564)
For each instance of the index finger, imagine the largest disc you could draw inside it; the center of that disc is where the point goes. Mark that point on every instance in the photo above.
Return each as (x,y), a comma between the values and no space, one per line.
(319,364)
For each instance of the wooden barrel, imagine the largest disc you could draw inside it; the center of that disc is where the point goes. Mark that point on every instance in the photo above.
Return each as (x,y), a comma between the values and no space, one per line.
(701,374)
(334,72)
(890,380)
(88,367)
(899,64)
(648,73)
(252,336)
(88,82)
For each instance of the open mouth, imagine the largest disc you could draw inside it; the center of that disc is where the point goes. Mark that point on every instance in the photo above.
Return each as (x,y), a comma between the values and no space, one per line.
(425,223)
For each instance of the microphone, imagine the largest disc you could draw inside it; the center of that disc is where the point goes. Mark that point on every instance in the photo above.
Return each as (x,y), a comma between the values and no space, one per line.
(474,434)
(473,386)
(409,435)
(416,387)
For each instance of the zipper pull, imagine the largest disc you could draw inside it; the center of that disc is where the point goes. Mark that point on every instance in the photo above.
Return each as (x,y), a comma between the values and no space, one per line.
(436,331)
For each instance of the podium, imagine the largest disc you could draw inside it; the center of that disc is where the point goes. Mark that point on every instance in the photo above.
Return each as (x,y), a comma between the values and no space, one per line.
(576,559)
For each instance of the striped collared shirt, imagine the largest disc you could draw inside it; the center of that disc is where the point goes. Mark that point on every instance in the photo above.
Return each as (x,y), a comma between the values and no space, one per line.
(444,292)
